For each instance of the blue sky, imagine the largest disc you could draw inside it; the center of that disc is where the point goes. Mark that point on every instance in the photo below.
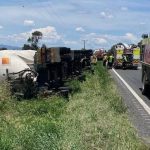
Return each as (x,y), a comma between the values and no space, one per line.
(101,23)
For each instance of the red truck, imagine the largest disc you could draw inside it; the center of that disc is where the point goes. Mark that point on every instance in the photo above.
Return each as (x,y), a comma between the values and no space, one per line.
(99,53)
(145,47)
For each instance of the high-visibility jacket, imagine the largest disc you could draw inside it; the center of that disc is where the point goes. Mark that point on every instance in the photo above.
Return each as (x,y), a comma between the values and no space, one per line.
(93,59)
(110,59)
(105,57)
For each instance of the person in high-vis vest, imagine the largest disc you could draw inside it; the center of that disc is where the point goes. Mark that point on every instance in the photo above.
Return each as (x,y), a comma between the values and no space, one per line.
(124,61)
(110,61)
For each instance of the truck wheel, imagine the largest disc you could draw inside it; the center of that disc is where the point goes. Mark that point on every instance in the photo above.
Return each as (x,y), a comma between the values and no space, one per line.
(115,66)
(145,86)
(124,68)
(135,68)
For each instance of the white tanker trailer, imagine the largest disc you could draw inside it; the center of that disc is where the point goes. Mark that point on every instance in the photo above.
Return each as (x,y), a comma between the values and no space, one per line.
(12,61)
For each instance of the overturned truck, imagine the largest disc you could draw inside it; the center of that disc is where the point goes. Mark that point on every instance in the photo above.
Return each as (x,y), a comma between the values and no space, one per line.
(52,67)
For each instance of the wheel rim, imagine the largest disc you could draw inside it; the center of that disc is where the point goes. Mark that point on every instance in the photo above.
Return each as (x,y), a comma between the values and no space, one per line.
(143,86)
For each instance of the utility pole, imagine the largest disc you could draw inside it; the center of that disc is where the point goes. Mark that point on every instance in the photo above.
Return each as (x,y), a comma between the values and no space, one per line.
(84,43)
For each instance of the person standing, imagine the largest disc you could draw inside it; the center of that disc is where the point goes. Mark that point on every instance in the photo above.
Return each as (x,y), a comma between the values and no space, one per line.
(105,60)
(93,59)
(124,61)
(110,61)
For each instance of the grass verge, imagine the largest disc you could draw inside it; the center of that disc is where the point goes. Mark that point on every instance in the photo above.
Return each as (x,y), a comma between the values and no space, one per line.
(94,118)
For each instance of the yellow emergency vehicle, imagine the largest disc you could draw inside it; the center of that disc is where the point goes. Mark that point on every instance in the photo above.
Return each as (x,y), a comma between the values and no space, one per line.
(132,54)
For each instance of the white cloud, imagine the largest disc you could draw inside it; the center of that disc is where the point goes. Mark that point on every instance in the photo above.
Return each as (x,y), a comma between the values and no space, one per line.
(108,40)
(49,34)
(110,16)
(106,15)
(131,37)
(70,42)
(91,34)
(127,38)
(1,27)
(142,23)
(95,39)
(80,29)
(100,40)
(103,14)
(124,8)
(29,23)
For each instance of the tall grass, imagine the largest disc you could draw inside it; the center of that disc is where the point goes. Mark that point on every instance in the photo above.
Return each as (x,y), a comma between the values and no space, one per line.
(94,118)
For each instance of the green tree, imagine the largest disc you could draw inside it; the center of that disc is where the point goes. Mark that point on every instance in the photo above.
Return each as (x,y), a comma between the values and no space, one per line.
(26,47)
(3,48)
(34,39)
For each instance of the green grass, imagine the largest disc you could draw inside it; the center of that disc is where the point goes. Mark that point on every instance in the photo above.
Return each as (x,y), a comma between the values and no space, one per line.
(94,118)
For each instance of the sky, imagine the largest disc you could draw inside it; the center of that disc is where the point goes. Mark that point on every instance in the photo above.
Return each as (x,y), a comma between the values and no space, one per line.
(100,23)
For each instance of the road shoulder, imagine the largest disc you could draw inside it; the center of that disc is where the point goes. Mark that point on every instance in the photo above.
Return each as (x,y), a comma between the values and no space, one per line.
(137,115)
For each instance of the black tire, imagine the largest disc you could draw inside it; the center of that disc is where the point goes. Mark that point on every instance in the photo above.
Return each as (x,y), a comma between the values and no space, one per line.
(115,67)
(135,68)
(124,68)
(145,86)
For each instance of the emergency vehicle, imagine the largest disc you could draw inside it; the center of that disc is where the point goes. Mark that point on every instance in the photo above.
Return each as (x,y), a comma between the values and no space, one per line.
(132,54)
(99,53)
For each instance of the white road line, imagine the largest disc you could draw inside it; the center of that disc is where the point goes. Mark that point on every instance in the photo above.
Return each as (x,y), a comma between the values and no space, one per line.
(145,106)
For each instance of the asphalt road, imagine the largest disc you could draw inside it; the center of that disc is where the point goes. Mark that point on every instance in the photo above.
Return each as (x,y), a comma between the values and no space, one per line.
(137,114)
(133,78)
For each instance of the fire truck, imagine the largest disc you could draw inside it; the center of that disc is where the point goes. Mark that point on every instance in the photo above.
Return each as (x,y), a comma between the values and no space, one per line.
(145,48)
(99,53)
(132,54)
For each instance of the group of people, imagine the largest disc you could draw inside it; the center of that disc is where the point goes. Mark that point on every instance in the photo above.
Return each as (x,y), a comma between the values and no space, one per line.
(108,60)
